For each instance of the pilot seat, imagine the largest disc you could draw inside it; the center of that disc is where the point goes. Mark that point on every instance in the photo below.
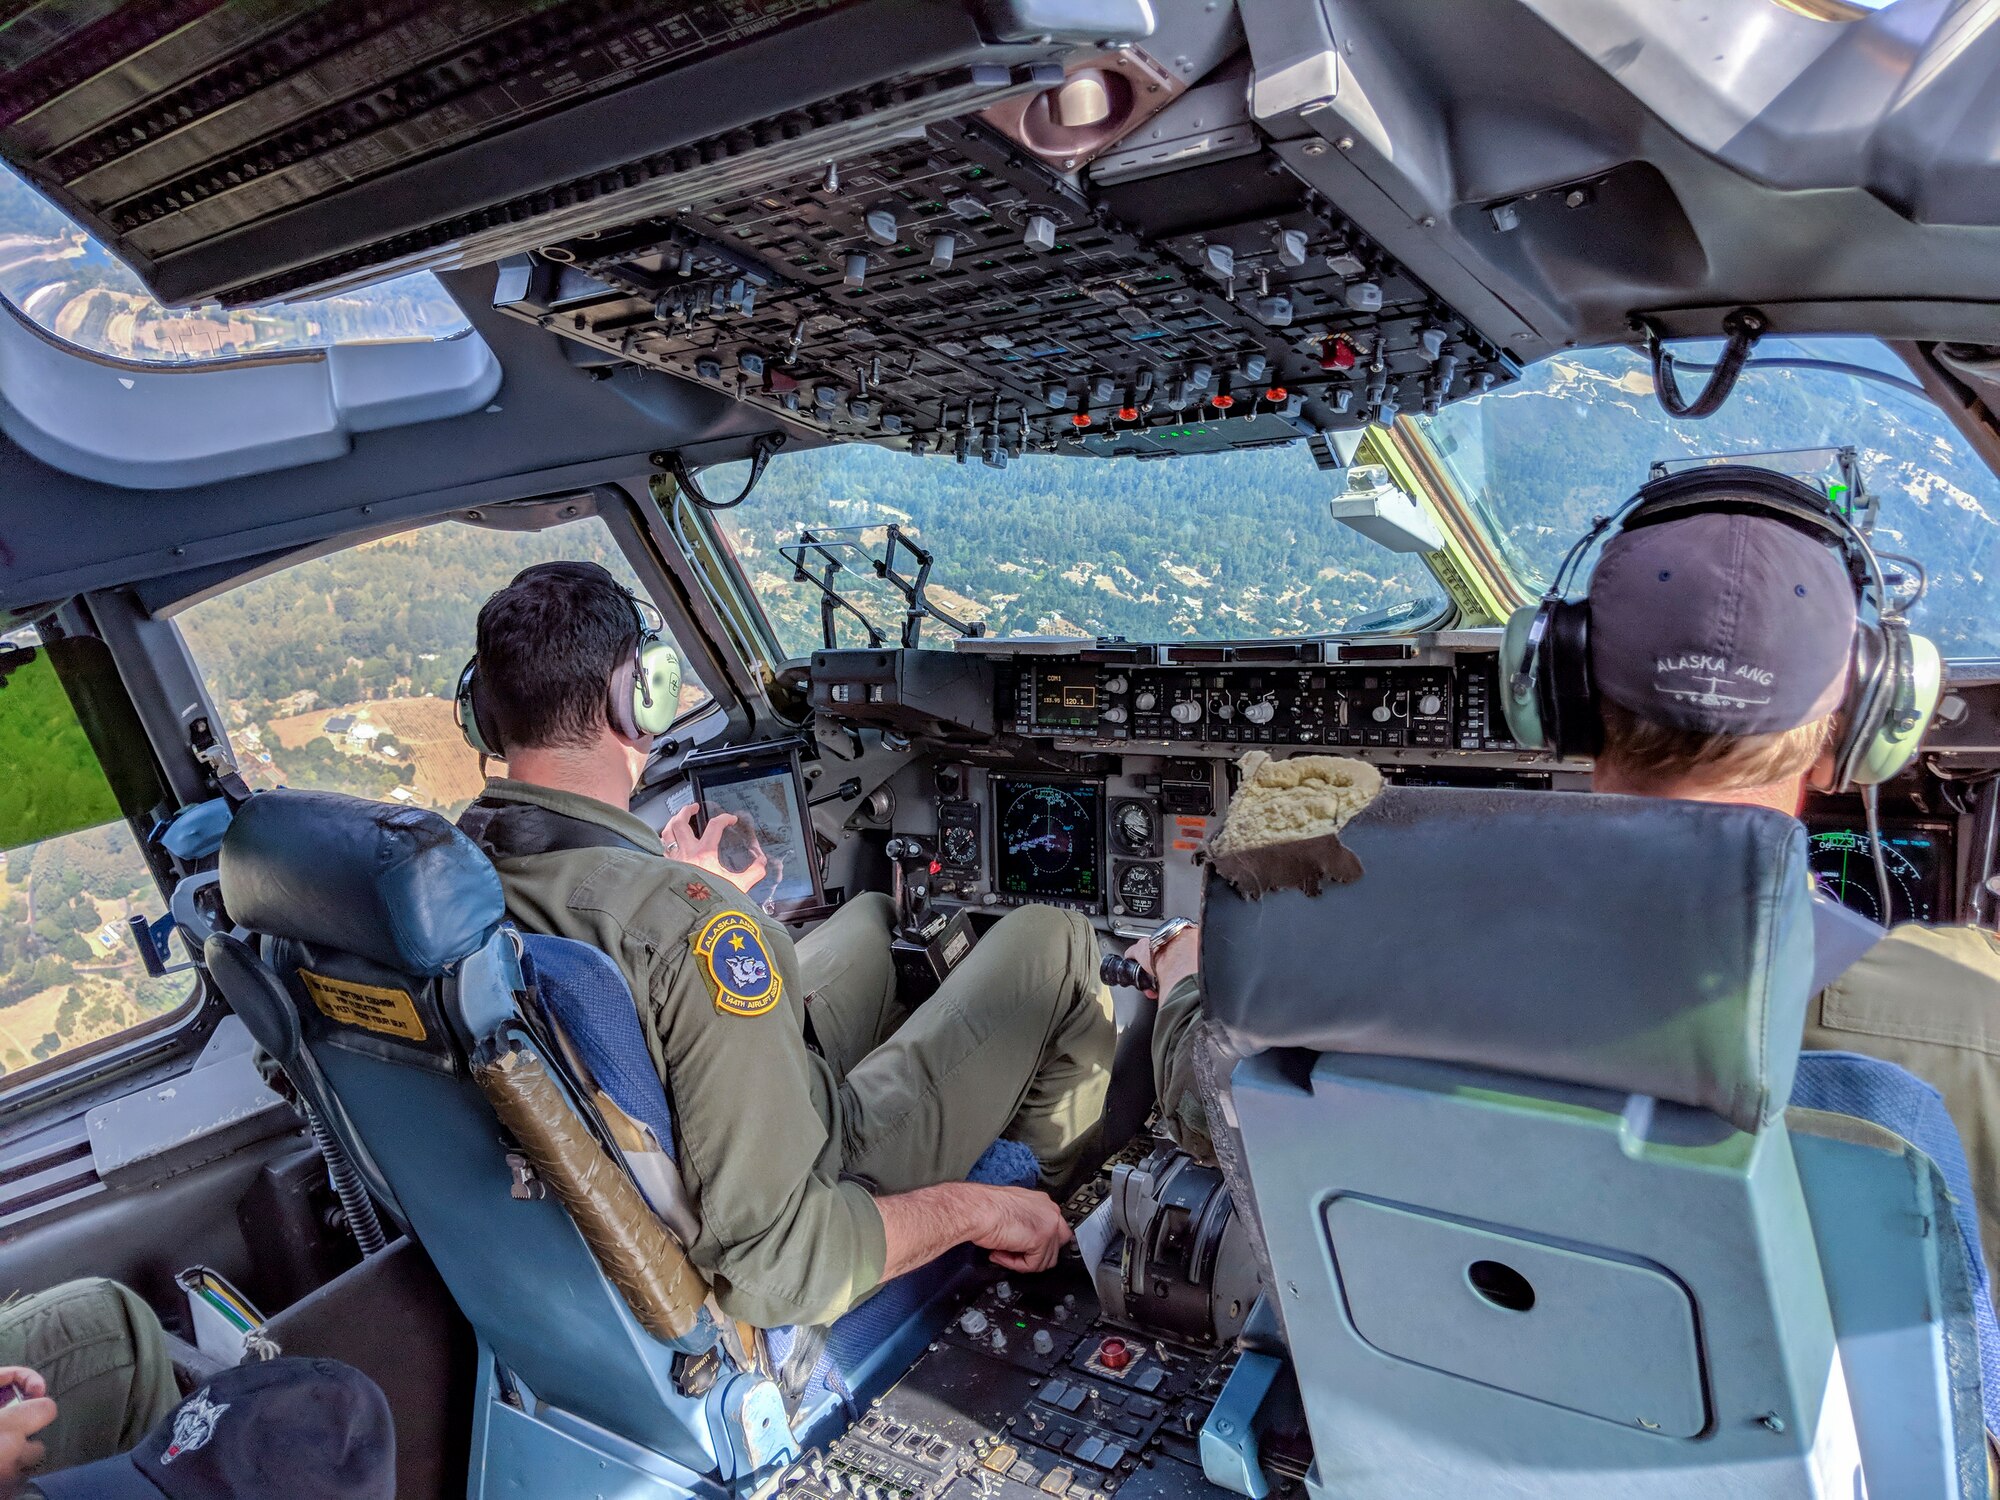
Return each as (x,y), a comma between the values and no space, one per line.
(496,1091)
(1511,1109)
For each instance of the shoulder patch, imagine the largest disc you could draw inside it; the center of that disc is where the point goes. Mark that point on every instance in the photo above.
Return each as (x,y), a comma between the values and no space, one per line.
(740,974)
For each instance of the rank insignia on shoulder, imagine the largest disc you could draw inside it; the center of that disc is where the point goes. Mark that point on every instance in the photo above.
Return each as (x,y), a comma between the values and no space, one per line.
(698,890)
(731,952)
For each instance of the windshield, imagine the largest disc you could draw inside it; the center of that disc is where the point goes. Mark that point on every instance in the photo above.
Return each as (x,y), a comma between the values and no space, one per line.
(70,286)
(1577,435)
(1223,546)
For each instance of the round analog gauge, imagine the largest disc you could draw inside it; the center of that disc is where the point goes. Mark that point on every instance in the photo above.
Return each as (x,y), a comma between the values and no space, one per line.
(1041,827)
(958,846)
(1139,890)
(1135,827)
(1843,866)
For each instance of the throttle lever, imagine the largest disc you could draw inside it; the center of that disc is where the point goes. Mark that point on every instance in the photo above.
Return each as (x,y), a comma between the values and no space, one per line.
(912,890)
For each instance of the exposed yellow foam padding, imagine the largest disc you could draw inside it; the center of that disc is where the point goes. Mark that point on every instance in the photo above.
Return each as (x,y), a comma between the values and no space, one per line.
(1282,801)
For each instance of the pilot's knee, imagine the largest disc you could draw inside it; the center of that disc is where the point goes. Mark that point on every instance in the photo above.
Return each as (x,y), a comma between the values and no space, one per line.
(874,908)
(1045,930)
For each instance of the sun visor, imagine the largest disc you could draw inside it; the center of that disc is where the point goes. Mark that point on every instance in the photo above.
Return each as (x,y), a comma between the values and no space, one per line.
(250,153)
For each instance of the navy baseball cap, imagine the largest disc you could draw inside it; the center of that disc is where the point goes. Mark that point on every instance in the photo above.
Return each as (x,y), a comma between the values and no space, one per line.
(1723,623)
(296,1428)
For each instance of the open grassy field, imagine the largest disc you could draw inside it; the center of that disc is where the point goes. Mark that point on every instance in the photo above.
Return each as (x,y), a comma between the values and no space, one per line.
(27,1021)
(447,770)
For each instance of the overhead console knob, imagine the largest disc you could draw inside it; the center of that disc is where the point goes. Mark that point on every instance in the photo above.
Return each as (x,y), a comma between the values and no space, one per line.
(1187,711)
(1381,713)
(1430,705)
(1113,715)
(1263,711)
(1115,684)
(1147,701)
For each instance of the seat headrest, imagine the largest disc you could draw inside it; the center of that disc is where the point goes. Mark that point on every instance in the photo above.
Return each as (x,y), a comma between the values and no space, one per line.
(1641,945)
(397,885)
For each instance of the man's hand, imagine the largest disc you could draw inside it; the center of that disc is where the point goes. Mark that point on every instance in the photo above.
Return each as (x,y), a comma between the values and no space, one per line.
(705,852)
(1179,957)
(1026,1231)
(19,1422)
(1023,1229)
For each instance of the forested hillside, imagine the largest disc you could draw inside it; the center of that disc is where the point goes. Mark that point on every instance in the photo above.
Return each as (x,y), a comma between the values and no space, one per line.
(1232,545)
(392,618)
(1577,435)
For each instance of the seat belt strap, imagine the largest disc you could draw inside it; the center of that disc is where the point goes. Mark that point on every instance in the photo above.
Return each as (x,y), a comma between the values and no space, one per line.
(516,829)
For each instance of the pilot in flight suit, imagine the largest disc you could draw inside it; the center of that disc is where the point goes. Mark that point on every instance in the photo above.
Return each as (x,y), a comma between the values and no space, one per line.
(1924,998)
(801,1087)
(778,1136)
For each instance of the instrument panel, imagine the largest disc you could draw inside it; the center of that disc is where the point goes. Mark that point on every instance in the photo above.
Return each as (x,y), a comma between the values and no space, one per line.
(1048,841)
(1418,707)
(1089,776)
(1117,845)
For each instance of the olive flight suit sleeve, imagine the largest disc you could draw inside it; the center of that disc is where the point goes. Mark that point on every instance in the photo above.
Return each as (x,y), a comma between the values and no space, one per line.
(1176,1033)
(782,1237)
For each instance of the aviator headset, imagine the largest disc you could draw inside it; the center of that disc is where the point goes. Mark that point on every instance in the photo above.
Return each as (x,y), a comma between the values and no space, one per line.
(645,688)
(1894,677)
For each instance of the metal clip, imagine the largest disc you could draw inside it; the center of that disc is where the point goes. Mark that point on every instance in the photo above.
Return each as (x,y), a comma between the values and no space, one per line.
(527,1187)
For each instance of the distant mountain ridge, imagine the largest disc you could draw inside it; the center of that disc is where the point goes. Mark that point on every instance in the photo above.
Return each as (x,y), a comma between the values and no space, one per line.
(1580,433)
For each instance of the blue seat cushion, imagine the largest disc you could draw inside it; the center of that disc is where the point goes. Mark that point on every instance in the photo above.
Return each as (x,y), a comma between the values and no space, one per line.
(1848,1083)
(586,993)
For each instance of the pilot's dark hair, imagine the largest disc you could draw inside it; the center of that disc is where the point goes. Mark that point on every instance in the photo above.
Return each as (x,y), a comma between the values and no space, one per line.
(548,644)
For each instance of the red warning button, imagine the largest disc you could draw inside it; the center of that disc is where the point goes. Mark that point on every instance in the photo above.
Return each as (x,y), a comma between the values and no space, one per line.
(1114,1354)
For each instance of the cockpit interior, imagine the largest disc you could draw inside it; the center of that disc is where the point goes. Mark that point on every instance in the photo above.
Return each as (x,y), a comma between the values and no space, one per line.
(1028,423)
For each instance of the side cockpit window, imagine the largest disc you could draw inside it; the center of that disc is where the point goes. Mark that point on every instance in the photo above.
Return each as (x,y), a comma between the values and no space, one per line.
(73,289)
(71,877)
(338,674)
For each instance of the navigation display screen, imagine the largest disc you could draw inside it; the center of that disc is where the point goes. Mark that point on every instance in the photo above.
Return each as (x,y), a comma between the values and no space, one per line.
(1919,857)
(1065,696)
(1048,838)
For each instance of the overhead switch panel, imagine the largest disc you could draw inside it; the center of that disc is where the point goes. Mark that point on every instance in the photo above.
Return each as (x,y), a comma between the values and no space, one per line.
(990,306)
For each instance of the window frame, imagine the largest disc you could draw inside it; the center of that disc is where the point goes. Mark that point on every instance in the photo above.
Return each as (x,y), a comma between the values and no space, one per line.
(237,361)
(100,695)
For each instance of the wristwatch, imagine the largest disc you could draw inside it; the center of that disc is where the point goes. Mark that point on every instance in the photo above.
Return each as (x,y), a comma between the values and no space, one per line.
(1166,932)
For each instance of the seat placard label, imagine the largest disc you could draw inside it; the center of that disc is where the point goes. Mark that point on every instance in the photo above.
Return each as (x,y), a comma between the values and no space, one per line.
(369,1006)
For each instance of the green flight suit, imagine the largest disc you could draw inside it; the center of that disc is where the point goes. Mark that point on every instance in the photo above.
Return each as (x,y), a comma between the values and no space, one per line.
(1183,1113)
(101,1352)
(781,1145)
(1928,999)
